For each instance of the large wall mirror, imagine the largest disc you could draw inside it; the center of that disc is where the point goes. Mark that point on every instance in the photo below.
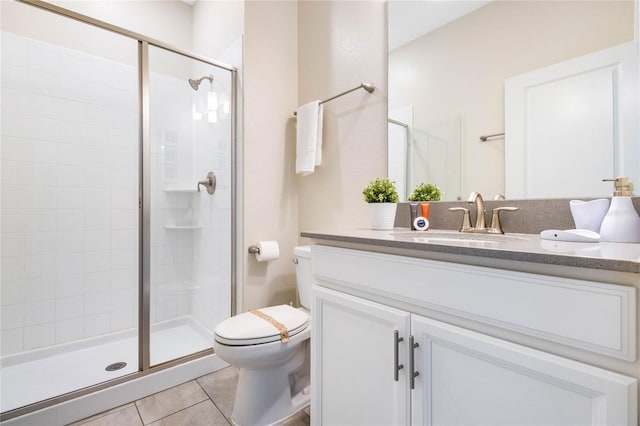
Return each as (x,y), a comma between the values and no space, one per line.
(515,99)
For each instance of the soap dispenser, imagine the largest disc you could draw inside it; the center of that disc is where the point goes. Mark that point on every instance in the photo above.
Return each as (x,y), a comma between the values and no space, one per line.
(621,224)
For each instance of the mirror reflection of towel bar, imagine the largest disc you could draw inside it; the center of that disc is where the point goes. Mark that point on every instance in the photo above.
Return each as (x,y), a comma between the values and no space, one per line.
(484,138)
(398,123)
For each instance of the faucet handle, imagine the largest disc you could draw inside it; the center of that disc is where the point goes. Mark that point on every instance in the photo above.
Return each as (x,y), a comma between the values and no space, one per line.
(496,227)
(466,219)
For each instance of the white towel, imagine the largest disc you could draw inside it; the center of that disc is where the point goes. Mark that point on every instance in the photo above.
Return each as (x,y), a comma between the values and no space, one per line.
(309,137)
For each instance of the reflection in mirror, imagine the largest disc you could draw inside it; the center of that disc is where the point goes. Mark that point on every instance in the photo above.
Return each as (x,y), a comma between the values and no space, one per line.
(447,85)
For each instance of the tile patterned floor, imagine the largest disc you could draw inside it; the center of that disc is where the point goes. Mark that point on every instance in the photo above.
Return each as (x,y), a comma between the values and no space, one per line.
(206,401)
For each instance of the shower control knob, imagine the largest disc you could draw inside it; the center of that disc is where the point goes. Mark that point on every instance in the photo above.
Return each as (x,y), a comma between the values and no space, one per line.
(209,183)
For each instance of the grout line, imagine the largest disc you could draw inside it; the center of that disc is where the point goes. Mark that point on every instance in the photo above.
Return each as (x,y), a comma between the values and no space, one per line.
(211,399)
(138,411)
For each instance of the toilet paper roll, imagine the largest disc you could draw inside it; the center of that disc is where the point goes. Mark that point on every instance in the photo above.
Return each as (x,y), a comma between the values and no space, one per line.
(269,250)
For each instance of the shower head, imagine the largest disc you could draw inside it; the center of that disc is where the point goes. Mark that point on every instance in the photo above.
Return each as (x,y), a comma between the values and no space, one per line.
(196,83)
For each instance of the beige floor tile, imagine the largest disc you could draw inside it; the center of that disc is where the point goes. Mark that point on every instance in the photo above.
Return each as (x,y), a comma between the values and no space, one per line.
(298,419)
(221,388)
(122,416)
(170,401)
(204,413)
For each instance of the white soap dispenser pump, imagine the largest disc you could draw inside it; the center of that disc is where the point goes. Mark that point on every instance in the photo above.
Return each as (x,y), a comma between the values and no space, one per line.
(621,223)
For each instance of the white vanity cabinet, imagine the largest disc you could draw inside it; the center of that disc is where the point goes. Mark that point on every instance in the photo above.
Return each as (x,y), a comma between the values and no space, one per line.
(372,334)
(355,364)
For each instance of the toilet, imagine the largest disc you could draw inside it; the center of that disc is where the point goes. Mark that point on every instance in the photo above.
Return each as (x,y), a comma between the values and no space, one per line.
(274,370)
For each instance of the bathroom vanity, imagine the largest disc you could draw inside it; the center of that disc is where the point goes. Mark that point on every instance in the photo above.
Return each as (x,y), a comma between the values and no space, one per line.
(439,327)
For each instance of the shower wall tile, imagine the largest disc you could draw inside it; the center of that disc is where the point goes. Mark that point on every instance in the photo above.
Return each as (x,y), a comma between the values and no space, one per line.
(12,292)
(39,289)
(41,266)
(123,300)
(69,331)
(122,320)
(98,303)
(124,259)
(124,278)
(13,268)
(95,325)
(69,307)
(71,220)
(39,312)
(97,219)
(12,341)
(69,285)
(96,261)
(12,316)
(97,281)
(40,243)
(38,336)
(13,245)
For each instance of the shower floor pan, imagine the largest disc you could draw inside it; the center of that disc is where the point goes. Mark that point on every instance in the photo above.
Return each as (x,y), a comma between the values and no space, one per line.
(38,375)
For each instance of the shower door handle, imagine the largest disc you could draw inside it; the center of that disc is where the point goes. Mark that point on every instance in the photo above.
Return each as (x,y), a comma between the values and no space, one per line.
(209,183)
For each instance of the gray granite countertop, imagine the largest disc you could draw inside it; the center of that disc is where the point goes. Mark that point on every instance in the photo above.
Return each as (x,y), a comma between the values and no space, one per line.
(620,257)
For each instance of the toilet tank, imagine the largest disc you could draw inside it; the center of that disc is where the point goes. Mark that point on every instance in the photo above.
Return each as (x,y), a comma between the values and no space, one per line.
(302,258)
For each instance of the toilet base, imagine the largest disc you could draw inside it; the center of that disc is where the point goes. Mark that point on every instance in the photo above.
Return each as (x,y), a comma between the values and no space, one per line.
(268,396)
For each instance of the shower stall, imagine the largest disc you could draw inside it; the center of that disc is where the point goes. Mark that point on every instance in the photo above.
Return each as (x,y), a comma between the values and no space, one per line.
(117,206)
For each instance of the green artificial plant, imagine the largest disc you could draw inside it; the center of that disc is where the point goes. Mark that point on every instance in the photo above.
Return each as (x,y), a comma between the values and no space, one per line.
(381,190)
(425,192)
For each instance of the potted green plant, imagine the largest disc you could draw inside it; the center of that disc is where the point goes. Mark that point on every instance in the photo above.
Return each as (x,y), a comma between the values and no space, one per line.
(382,196)
(425,192)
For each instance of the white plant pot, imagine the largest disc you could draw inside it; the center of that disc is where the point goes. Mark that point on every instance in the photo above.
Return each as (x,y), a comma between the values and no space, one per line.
(383,215)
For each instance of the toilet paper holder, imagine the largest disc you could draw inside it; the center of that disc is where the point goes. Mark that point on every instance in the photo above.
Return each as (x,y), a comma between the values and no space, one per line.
(256,250)
(265,251)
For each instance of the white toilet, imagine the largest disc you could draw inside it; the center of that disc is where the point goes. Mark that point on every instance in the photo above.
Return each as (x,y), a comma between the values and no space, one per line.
(274,376)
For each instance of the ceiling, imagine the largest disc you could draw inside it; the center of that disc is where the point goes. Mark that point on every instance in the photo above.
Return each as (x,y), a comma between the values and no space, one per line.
(410,19)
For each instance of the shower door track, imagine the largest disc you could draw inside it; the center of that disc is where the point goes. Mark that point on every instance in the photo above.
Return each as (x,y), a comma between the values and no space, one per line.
(144,284)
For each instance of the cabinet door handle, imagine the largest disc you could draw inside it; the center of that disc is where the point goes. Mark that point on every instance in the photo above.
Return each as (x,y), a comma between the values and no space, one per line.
(414,374)
(396,367)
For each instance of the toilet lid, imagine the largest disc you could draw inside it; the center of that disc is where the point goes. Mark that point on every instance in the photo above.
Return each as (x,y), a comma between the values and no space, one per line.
(250,329)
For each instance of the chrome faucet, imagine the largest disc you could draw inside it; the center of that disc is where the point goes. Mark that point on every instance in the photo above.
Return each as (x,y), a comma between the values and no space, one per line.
(480,224)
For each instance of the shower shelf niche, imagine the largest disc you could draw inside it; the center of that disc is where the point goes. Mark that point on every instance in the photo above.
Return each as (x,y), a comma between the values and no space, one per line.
(182,227)
(184,189)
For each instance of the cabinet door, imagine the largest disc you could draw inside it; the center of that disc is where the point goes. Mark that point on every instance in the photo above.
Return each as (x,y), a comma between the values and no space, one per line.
(352,362)
(467,378)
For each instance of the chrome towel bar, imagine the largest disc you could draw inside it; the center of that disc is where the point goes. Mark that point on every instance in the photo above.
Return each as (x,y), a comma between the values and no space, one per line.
(366,86)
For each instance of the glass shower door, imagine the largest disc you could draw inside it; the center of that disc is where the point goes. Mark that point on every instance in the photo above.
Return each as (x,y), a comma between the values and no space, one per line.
(69,232)
(190,210)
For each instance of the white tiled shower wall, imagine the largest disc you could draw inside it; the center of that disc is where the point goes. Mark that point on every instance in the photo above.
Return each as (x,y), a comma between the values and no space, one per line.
(190,272)
(69,195)
(70,207)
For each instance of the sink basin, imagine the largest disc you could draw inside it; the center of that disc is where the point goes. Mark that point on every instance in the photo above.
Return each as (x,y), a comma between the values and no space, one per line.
(455,237)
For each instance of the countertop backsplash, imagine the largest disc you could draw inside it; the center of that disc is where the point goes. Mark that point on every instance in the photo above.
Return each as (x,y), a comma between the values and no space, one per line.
(533,217)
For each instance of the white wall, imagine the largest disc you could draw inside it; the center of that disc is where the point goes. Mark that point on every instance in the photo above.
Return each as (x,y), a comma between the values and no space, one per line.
(296,52)
(270,190)
(341,45)
(169,21)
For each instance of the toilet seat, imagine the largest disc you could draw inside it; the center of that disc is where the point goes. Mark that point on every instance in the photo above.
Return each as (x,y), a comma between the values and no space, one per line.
(249,329)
